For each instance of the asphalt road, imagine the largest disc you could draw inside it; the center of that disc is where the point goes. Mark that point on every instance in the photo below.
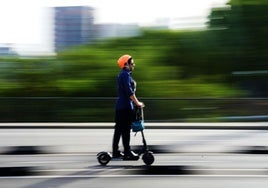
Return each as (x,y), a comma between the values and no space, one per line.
(66,158)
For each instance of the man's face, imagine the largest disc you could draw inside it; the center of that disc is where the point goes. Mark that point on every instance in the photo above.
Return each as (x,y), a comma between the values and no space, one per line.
(131,65)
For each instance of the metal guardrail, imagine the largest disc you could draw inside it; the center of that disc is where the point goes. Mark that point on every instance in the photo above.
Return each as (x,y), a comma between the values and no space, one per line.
(148,125)
(101,109)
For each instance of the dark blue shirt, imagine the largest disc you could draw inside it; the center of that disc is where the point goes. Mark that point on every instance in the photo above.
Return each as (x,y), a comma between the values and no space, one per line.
(125,88)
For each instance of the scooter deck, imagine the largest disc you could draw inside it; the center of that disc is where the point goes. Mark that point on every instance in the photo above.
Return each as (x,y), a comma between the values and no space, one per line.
(122,158)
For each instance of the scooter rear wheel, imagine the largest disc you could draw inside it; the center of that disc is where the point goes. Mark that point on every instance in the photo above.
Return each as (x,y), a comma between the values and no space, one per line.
(104,158)
(148,158)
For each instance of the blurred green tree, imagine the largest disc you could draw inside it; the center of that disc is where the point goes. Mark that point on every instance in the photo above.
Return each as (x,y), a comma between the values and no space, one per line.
(241,26)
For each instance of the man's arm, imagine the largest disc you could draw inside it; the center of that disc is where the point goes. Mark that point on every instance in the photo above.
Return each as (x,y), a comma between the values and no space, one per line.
(136,101)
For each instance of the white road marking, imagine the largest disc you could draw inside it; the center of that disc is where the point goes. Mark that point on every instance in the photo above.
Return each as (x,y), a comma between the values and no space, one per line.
(132,176)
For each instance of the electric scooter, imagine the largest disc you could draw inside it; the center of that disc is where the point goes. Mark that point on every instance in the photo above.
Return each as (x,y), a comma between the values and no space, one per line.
(137,126)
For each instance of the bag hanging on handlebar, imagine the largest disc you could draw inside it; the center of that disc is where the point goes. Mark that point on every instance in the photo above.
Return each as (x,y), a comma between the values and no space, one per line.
(137,126)
(138,122)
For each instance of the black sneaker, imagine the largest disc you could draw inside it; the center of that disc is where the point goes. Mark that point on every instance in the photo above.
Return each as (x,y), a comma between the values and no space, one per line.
(131,156)
(118,154)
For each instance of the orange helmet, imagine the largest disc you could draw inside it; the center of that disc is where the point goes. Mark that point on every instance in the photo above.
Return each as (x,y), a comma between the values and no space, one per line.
(123,60)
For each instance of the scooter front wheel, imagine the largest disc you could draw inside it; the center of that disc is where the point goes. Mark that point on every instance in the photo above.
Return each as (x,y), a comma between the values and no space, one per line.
(148,158)
(104,158)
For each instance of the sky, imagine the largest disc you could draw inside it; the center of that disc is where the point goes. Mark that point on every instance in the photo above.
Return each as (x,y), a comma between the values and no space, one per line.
(26,25)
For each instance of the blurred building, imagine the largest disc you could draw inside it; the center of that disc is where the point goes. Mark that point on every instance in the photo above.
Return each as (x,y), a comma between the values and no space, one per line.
(103,31)
(7,51)
(187,23)
(73,26)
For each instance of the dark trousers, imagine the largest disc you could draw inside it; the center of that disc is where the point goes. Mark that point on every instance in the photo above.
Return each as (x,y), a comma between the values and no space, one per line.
(123,121)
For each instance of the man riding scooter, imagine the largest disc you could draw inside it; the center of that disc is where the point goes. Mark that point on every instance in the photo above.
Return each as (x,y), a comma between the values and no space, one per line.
(124,108)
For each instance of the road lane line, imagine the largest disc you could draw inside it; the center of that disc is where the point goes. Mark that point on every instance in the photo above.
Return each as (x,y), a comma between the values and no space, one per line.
(132,176)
